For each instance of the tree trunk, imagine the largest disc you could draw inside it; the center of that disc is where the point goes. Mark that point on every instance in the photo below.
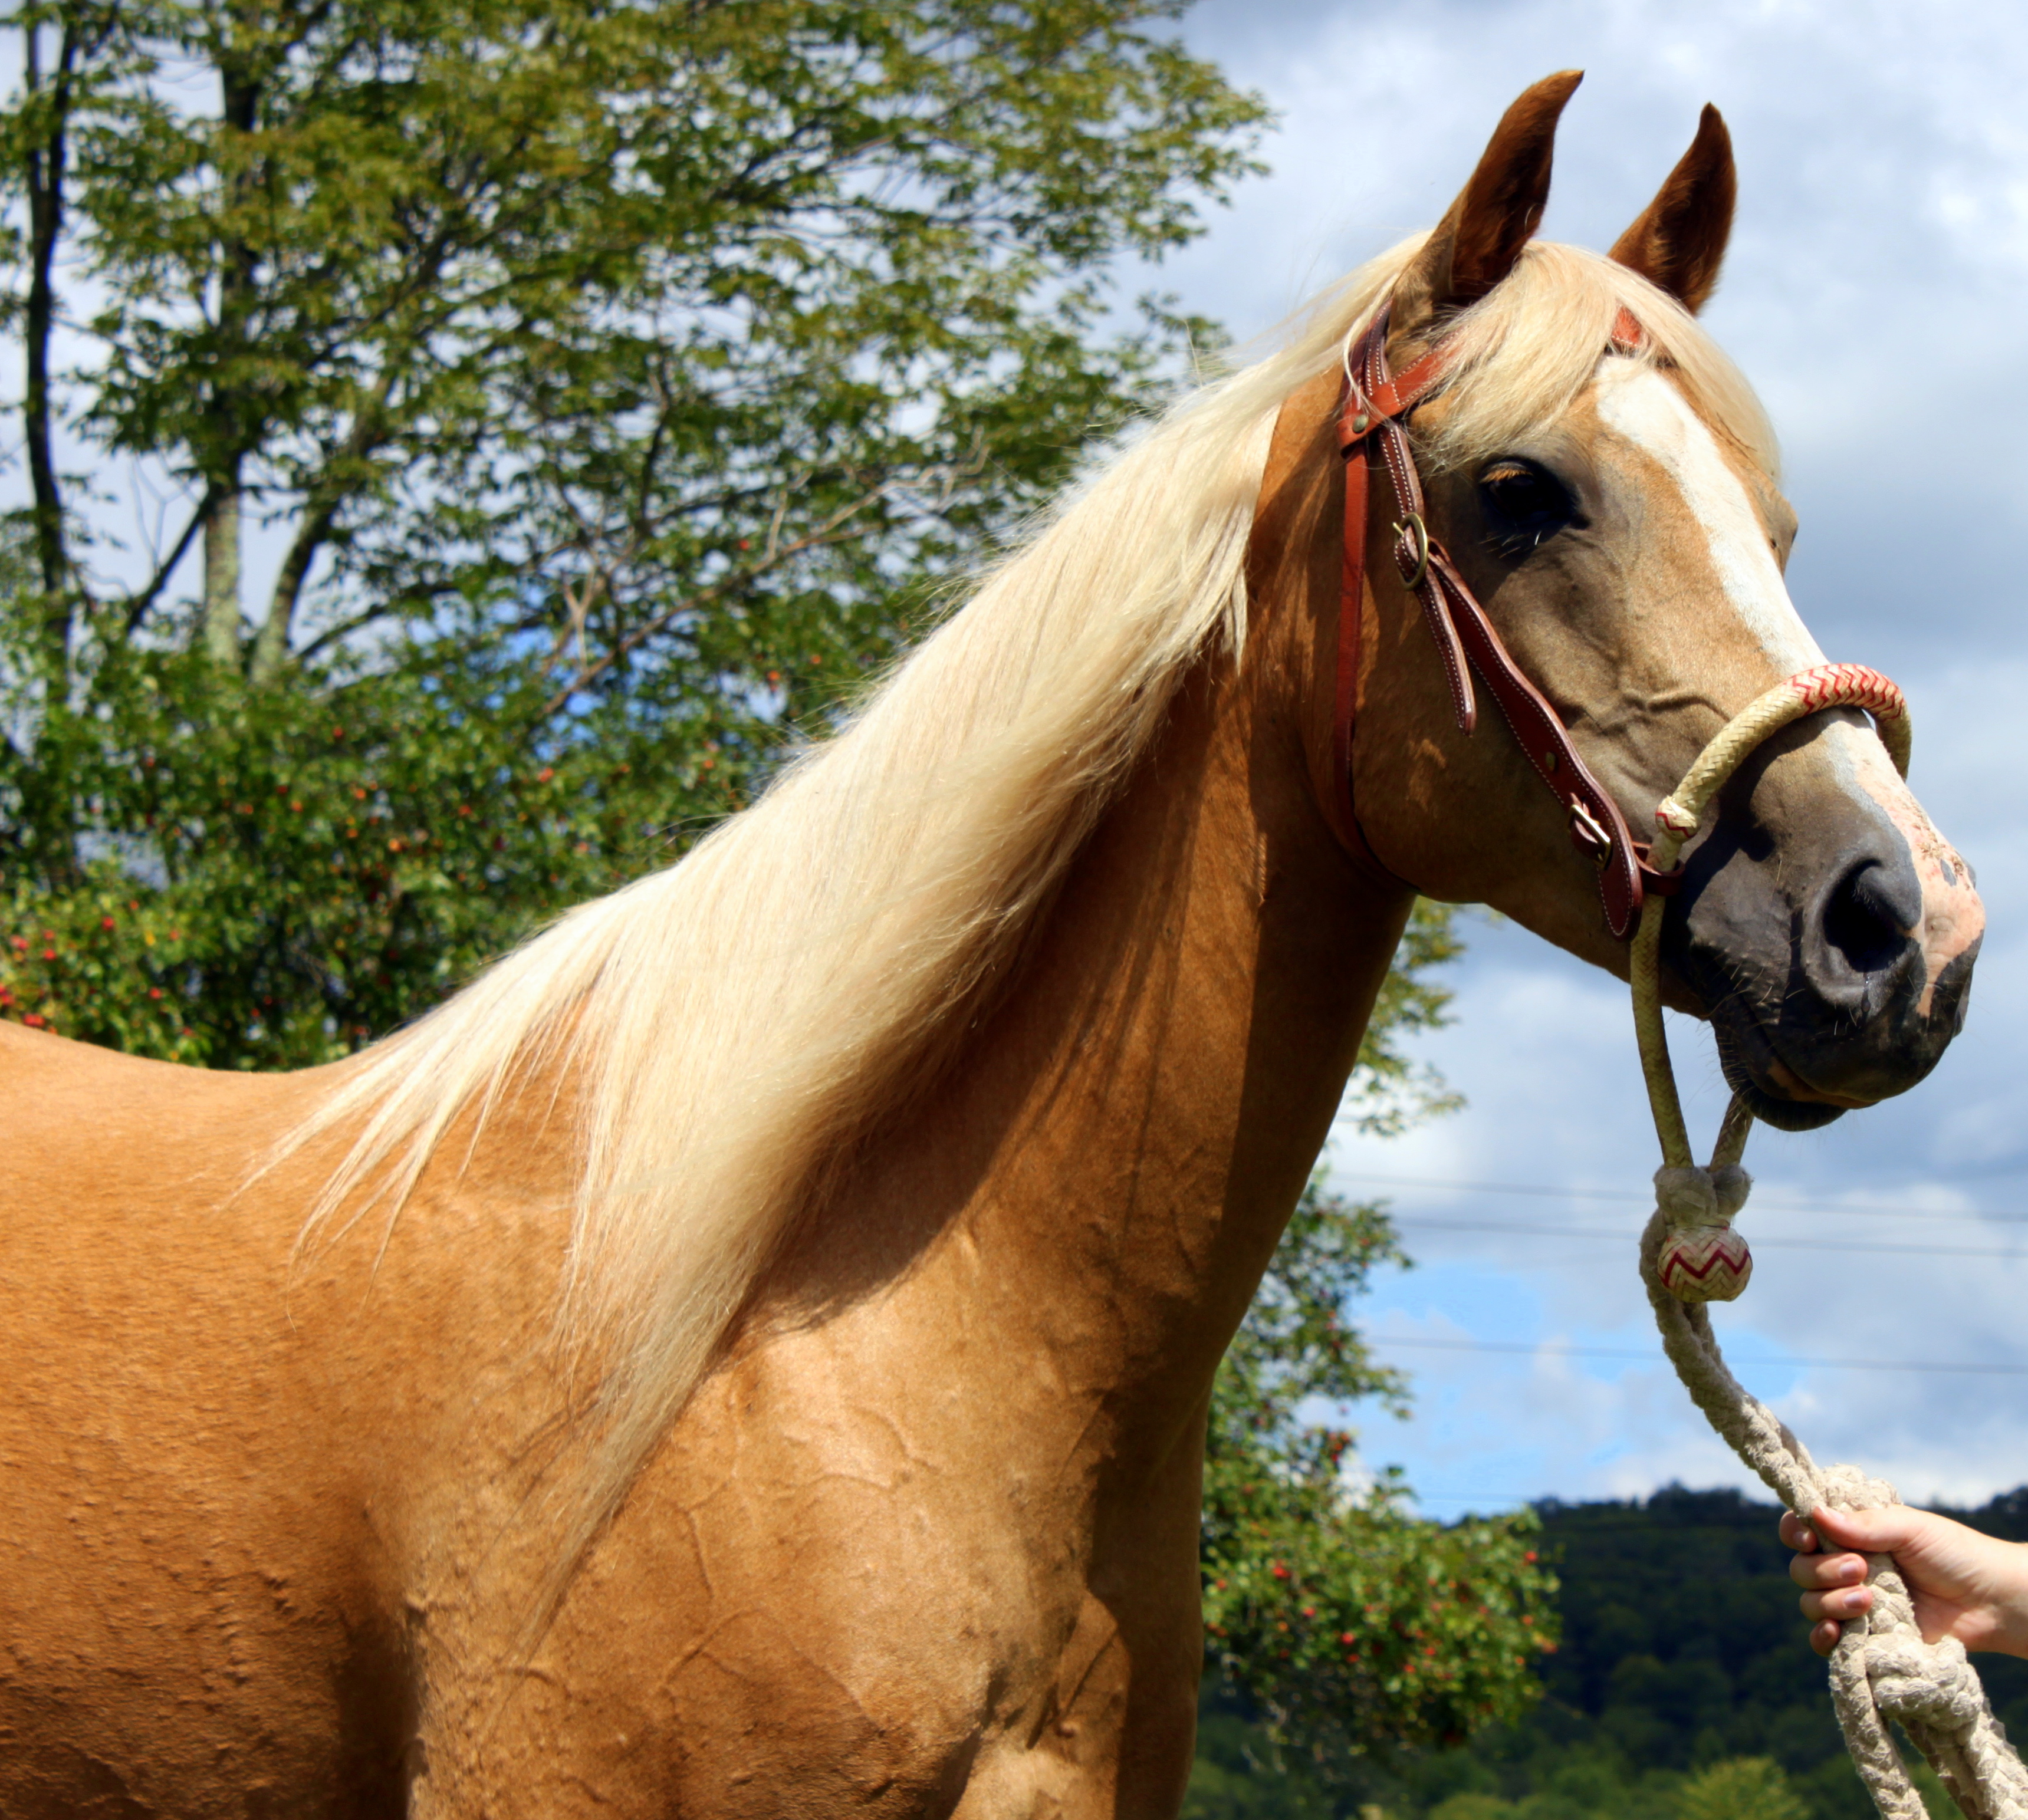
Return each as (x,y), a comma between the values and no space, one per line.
(239,109)
(221,579)
(45,157)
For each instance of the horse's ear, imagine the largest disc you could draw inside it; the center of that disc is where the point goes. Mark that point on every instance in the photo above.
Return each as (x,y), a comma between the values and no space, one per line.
(1679,241)
(1482,233)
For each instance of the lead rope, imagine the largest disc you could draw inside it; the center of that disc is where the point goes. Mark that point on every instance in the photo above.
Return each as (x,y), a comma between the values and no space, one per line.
(1881,1668)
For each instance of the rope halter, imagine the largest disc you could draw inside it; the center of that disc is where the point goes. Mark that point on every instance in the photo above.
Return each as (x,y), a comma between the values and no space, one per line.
(1691,1256)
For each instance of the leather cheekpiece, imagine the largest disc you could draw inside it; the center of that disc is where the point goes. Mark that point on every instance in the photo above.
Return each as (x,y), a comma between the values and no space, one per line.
(1372,408)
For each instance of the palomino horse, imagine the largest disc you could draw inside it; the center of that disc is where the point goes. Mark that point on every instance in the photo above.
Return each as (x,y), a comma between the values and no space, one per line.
(747,1355)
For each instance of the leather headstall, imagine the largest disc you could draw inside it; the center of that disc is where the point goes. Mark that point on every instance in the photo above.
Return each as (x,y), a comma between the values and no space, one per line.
(1373,410)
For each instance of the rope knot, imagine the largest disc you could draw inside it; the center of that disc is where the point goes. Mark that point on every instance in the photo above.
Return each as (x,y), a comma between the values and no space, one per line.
(1688,1196)
(1932,1684)
(1851,1488)
(1702,1259)
(1672,816)
(1731,1184)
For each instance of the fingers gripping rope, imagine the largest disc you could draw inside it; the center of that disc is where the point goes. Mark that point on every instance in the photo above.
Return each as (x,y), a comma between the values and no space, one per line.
(1881,1668)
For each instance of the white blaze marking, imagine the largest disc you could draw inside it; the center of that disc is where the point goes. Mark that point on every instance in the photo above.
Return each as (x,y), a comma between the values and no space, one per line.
(1641,405)
(1645,408)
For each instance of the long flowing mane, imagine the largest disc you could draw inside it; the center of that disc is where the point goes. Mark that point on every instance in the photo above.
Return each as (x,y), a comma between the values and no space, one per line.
(731,1023)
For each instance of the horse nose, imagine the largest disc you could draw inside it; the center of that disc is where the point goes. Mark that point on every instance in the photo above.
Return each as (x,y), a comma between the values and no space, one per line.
(1845,1030)
(1867,927)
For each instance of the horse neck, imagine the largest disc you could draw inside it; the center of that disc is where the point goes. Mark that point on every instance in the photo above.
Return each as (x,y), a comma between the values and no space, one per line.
(1102,1178)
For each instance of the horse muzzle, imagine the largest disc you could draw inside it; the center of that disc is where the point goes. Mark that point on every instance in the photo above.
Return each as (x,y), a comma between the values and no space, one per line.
(1828,932)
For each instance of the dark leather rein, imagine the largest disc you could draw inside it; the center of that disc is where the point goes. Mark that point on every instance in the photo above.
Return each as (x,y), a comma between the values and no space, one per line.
(1372,412)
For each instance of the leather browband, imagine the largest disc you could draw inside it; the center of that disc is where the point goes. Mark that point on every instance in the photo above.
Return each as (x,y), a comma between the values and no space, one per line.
(1370,412)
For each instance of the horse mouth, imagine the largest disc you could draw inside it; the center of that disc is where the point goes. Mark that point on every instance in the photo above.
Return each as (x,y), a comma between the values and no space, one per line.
(1772,1090)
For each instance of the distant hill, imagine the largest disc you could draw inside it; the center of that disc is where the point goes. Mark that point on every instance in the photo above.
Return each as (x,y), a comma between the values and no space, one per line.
(1682,1649)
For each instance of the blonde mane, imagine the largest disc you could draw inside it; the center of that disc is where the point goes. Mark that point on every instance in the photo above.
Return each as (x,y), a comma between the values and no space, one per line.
(732,1022)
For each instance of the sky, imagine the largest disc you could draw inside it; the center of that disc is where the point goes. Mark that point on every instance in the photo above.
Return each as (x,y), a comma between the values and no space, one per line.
(1874,295)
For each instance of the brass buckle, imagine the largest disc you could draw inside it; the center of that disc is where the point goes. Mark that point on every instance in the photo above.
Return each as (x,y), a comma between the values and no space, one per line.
(1418,533)
(1590,835)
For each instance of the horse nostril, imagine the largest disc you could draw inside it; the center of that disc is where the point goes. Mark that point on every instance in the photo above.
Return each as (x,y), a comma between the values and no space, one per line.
(1869,917)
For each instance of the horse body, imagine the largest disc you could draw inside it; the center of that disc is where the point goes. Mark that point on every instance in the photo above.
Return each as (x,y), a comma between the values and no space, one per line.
(925,1542)
(878,1490)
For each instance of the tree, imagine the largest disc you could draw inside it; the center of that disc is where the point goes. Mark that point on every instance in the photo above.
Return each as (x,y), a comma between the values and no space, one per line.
(606,388)
(1351,1625)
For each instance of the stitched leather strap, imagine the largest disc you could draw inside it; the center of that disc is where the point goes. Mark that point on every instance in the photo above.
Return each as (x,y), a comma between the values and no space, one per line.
(1372,407)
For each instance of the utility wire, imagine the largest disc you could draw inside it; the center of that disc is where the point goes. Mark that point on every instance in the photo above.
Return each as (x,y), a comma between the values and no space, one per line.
(1416,1222)
(1630,1200)
(1651,1356)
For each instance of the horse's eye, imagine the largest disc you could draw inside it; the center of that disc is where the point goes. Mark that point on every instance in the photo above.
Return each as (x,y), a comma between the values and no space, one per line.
(1524,498)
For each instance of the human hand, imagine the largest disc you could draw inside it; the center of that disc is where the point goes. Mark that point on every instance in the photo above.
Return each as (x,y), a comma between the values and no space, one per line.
(1964,1585)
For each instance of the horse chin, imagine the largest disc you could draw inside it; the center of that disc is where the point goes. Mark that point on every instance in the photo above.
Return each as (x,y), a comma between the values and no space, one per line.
(1770,1089)
(1784,1115)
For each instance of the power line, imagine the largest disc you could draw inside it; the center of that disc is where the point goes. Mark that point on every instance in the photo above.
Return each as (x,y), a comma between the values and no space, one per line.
(1617,1234)
(1630,1200)
(1651,1357)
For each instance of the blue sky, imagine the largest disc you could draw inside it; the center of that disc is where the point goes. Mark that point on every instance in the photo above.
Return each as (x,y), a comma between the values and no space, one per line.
(1874,294)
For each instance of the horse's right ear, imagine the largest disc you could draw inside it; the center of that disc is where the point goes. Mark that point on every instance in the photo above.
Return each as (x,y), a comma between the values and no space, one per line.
(1679,243)
(1482,233)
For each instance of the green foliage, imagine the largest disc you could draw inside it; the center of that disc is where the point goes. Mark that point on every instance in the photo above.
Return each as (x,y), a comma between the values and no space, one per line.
(1347,1621)
(1739,1789)
(1240,1774)
(270,877)
(1746,1789)
(621,383)
(1681,1687)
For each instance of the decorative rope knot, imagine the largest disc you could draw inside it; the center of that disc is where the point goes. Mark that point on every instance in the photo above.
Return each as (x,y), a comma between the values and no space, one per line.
(1931,1684)
(1702,1259)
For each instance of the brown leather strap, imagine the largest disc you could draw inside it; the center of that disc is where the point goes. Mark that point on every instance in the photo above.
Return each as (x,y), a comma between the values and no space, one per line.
(1351,637)
(1371,409)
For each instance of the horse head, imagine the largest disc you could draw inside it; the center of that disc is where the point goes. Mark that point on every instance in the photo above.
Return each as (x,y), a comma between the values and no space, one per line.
(1603,482)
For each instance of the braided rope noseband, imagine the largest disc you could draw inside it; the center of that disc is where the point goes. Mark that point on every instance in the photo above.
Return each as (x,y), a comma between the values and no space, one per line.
(1690,1255)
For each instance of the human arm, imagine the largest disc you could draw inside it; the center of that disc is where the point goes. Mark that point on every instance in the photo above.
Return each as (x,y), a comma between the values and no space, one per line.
(1964,1585)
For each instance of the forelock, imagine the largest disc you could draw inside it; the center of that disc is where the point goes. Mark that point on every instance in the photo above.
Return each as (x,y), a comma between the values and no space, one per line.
(1523,352)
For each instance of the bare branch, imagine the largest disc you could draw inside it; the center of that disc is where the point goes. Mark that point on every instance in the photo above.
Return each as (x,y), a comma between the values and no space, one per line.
(138,607)
(831,532)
